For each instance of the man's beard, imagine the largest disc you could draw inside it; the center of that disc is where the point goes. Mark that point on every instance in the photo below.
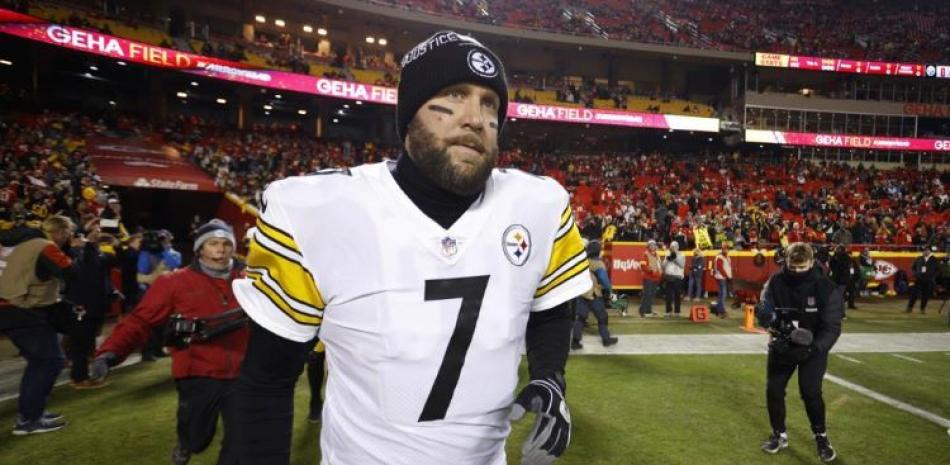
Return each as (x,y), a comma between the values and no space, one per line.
(433,159)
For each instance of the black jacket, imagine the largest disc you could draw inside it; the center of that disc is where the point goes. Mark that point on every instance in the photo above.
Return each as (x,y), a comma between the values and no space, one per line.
(92,286)
(817,297)
(926,270)
(840,268)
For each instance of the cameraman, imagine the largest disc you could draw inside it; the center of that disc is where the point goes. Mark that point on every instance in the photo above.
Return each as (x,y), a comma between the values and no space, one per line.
(33,268)
(156,258)
(803,310)
(203,371)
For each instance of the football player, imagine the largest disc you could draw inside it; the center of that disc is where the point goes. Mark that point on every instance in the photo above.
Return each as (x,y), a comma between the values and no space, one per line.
(427,276)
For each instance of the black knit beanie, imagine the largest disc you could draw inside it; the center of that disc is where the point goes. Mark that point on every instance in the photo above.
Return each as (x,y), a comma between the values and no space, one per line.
(444,59)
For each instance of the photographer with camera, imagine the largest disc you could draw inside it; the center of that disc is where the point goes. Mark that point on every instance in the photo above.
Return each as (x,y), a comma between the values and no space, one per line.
(34,266)
(802,309)
(205,369)
(91,293)
(156,258)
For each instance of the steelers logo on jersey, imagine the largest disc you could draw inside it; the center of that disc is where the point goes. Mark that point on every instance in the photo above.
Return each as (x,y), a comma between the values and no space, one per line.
(516,243)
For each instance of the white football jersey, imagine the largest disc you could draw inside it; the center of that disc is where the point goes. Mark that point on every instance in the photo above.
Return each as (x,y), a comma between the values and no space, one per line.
(424,326)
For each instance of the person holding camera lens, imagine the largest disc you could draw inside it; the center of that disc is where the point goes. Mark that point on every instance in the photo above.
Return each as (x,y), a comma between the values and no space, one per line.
(802,309)
(190,298)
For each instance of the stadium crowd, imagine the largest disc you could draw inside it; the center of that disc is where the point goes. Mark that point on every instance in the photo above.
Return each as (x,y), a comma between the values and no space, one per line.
(630,196)
(892,30)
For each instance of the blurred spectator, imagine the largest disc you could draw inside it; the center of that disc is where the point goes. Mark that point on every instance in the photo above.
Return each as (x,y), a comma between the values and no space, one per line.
(90,292)
(926,268)
(34,270)
(697,270)
(722,271)
(651,278)
(673,273)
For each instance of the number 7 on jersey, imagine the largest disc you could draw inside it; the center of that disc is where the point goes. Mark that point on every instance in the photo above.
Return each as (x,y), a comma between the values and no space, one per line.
(471,290)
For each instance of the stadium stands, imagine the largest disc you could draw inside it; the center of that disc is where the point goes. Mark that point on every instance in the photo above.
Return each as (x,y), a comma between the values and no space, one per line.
(741,200)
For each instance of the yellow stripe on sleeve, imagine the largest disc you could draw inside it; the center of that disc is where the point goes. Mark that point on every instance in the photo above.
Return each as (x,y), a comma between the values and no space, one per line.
(293,279)
(280,303)
(564,249)
(568,257)
(565,215)
(571,272)
(277,235)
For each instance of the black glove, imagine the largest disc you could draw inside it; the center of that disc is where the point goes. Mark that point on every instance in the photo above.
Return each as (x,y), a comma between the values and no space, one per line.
(671,256)
(551,433)
(101,365)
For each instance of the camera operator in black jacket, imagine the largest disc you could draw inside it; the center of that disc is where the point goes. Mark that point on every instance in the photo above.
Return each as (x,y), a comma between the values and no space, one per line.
(803,311)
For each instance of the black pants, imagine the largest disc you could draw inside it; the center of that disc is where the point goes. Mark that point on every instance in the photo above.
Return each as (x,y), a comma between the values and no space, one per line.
(922,288)
(584,308)
(200,402)
(82,342)
(315,362)
(810,374)
(674,293)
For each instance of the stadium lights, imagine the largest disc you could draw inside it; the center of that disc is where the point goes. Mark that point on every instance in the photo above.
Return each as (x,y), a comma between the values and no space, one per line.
(194,83)
(302,112)
(112,102)
(267,113)
(93,68)
(339,112)
(710,139)
(279,23)
(307,28)
(121,63)
(513,119)
(260,19)
(6,62)
(221,101)
(382,41)
(182,94)
(346,105)
(370,40)
(321,31)
(278,96)
(336,120)
(268,107)
(359,102)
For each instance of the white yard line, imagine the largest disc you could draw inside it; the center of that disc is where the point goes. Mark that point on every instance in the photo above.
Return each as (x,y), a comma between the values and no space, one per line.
(845,357)
(909,359)
(930,416)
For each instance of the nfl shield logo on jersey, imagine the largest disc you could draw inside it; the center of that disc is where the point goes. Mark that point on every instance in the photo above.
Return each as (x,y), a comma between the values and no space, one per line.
(449,247)
(516,243)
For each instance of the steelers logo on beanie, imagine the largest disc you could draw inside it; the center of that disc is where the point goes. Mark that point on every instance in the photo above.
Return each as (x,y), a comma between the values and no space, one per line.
(444,59)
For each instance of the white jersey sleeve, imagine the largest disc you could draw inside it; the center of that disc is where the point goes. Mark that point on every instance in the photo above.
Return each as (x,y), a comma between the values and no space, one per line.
(279,291)
(566,274)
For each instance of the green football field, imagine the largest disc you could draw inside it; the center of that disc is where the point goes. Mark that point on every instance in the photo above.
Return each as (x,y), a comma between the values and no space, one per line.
(646,409)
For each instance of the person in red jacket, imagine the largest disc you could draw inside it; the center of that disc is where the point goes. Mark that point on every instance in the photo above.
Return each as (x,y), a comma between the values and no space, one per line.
(204,371)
